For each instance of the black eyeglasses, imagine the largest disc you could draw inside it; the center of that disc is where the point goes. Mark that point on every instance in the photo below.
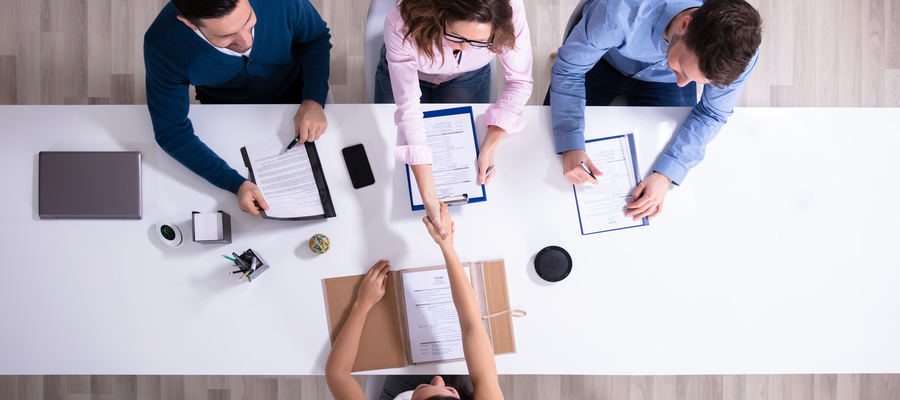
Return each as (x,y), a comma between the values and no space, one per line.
(459,40)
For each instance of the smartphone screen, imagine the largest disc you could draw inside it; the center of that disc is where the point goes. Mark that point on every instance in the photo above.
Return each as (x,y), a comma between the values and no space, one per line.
(358,166)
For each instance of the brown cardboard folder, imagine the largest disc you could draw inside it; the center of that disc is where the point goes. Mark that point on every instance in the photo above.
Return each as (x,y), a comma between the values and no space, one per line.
(385,341)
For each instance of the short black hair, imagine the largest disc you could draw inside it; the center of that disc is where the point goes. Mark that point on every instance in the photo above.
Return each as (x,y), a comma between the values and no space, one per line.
(724,34)
(197,10)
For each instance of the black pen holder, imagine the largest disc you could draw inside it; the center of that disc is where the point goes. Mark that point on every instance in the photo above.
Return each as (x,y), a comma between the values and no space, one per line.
(253,261)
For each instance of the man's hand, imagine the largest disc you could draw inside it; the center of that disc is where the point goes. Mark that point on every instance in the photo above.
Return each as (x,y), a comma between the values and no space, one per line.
(486,155)
(444,219)
(648,197)
(309,122)
(372,288)
(249,193)
(574,171)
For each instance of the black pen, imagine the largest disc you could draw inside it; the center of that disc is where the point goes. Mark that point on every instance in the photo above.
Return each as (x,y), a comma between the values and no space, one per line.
(291,145)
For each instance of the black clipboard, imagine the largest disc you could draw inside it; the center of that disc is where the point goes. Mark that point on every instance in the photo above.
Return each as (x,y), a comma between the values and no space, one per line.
(318,173)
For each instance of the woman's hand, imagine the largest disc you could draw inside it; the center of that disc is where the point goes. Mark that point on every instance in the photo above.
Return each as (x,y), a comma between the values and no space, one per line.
(444,218)
(372,288)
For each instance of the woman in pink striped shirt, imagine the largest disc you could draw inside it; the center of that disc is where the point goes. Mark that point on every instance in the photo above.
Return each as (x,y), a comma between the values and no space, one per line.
(439,51)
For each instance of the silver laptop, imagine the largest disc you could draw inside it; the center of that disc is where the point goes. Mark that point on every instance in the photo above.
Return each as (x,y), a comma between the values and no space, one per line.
(89,185)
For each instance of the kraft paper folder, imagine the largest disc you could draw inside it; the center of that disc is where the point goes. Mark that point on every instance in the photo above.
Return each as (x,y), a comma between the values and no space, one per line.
(385,341)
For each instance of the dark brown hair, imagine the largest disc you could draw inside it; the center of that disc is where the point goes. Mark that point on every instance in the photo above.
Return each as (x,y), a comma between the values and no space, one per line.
(424,20)
(724,35)
(462,386)
(195,11)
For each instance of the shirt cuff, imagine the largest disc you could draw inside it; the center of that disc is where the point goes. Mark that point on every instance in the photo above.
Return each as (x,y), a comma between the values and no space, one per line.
(568,141)
(413,155)
(504,119)
(671,169)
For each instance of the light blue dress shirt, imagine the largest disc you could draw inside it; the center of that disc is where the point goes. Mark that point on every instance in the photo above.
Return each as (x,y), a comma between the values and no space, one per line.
(629,35)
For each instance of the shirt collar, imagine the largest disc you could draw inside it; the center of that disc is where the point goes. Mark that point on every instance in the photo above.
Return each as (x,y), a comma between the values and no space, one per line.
(670,11)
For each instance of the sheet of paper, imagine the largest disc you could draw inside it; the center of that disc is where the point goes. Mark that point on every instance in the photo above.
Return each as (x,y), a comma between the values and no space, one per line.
(285,179)
(601,207)
(455,161)
(208,226)
(434,332)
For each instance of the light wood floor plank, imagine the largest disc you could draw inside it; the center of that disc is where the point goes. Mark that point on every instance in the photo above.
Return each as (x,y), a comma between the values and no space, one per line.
(871,387)
(149,387)
(28,68)
(891,33)
(699,387)
(52,67)
(75,50)
(54,387)
(78,384)
(641,388)
(28,15)
(847,387)
(827,63)
(734,387)
(99,39)
(122,89)
(124,387)
(850,45)
(290,388)
(803,83)
(7,79)
(892,88)
(873,53)
(892,387)
(665,387)
(122,37)
(780,27)
(171,387)
(8,28)
(802,387)
(757,387)
(825,387)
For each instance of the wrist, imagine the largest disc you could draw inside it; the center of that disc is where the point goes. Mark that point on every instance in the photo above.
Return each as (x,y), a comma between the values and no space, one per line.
(492,138)
(360,307)
(663,176)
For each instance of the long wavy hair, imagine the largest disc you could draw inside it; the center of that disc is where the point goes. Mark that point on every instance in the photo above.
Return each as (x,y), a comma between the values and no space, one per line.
(425,19)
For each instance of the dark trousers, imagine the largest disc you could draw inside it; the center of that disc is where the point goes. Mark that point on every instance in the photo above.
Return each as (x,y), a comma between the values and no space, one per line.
(396,384)
(603,83)
(293,95)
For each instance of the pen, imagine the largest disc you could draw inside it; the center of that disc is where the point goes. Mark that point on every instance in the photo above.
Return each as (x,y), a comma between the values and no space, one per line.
(583,165)
(236,272)
(291,145)
(490,169)
(245,275)
(238,260)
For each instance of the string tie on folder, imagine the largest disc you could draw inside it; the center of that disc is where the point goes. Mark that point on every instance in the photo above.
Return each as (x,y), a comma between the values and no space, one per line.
(514,313)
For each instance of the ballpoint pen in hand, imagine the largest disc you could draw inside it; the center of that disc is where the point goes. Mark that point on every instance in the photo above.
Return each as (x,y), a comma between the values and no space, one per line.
(291,145)
(583,165)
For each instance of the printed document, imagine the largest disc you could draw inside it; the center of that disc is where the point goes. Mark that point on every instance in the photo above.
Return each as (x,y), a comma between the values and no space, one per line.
(455,161)
(601,207)
(285,178)
(434,332)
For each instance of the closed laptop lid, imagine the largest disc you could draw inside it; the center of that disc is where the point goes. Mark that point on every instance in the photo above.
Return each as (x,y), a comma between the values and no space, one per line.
(89,184)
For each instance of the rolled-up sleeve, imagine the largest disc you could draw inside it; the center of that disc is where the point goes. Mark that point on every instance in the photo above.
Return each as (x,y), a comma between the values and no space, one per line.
(403,67)
(587,43)
(506,113)
(701,127)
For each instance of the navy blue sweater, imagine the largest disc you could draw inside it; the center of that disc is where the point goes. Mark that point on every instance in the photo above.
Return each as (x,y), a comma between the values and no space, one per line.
(290,38)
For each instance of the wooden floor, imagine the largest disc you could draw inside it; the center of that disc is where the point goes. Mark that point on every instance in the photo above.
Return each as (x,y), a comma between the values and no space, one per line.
(815,53)
(520,387)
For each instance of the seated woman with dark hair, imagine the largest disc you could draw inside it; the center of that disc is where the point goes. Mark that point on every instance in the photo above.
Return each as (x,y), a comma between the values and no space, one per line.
(439,51)
(482,382)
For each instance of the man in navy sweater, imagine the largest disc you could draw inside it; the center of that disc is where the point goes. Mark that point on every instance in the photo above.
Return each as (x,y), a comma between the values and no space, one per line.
(234,52)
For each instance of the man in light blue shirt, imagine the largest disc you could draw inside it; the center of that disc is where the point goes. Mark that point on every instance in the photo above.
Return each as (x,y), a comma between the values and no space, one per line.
(653,51)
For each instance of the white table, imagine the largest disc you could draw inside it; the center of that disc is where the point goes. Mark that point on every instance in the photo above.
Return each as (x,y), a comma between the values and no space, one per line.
(777,255)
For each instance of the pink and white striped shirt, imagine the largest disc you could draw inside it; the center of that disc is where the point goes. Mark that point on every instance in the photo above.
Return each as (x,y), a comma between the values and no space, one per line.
(407,66)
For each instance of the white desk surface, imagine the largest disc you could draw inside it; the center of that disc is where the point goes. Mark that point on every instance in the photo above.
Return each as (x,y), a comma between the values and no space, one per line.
(777,255)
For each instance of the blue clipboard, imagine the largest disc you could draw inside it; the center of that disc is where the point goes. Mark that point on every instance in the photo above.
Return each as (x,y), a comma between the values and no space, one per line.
(637,180)
(441,113)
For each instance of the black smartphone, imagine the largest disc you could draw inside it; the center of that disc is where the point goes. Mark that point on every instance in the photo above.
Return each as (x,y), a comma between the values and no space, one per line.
(358,166)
